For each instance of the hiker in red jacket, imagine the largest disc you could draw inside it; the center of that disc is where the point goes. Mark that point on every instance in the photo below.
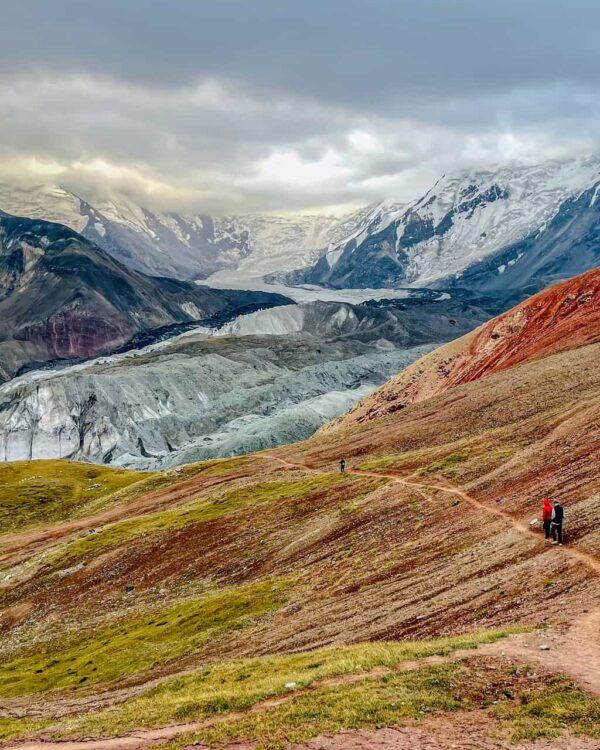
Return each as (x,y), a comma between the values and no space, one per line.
(547,516)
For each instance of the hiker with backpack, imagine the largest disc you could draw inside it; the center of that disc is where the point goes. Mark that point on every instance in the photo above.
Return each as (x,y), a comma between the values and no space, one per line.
(558,515)
(342,465)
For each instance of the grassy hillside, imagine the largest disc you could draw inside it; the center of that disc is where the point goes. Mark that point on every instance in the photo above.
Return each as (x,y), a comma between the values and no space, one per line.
(270,598)
(36,493)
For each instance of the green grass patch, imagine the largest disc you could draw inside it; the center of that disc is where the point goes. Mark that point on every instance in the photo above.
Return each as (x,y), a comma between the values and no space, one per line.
(463,457)
(380,463)
(14,728)
(372,702)
(547,713)
(448,461)
(220,466)
(139,644)
(36,493)
(197,511)
(238,685)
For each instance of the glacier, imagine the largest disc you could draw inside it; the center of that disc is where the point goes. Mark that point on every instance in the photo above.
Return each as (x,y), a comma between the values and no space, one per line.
(184,245)
(265,379)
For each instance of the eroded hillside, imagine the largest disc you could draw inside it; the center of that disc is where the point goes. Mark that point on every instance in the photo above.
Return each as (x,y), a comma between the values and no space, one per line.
(562,318)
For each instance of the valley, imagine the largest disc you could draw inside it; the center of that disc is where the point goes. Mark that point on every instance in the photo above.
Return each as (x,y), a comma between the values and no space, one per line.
(268,600)
(299,375)
(62,297)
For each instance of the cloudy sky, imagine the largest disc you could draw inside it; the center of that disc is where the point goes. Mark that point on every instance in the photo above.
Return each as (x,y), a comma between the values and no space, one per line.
(286,105)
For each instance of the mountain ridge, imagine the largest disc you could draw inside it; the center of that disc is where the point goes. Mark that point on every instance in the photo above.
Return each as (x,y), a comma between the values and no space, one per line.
(563,317)
(483,231)
(65,298)
(182,245)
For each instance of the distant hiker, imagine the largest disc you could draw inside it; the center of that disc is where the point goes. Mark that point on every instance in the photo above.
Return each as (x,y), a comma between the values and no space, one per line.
(547,517)
(342,465)
(558,515)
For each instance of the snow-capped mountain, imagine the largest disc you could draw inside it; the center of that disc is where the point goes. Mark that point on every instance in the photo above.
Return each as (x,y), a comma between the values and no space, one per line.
(183,246)
(472,227)
(264,244)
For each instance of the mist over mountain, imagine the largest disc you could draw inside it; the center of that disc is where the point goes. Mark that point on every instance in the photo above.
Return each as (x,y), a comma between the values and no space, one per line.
(184,246)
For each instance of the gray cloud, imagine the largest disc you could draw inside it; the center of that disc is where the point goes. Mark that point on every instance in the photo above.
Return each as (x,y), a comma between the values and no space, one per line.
(229,105)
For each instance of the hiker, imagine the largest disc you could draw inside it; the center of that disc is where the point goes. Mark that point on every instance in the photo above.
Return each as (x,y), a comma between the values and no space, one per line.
(342,465)
(558,515)
(547,517)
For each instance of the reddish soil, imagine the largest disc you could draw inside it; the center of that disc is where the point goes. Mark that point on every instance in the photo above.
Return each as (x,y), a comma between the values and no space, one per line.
(578,652)
(564,317)
(19,546)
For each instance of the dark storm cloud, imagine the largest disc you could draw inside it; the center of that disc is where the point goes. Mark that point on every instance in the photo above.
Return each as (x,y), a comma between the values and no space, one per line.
(279,103)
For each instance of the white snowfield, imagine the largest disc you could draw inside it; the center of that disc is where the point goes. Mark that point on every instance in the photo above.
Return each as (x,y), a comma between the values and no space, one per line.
(47,202)
(280,243)
(280,321)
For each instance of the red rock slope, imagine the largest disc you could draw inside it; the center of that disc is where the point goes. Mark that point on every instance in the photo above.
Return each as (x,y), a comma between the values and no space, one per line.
(561,318)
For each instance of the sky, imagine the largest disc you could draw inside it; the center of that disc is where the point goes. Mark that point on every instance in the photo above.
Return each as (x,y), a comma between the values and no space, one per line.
(228,106)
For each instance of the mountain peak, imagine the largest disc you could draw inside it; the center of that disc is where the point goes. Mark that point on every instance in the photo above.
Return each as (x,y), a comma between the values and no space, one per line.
(465,230)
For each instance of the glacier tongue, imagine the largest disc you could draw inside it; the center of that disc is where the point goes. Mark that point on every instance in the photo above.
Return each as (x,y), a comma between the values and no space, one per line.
(183,407)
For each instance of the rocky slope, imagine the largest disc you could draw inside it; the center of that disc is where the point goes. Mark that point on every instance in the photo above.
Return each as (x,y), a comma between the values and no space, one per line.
(185,246)
(62,297)
(564,317)
(268,599)
(514,228)
(267,378)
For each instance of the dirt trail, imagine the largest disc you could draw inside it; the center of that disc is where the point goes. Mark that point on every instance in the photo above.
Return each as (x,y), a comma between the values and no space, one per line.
(472,731)
(147,737)
(588,560)
(576,653)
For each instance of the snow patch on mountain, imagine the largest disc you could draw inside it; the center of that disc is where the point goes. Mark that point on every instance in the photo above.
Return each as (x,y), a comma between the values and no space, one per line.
(47,202)
(289,320)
